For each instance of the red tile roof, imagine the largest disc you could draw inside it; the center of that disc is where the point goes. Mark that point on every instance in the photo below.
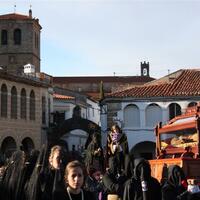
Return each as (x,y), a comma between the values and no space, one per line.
(15,16)
(98,79)
(186,84)
(62,97)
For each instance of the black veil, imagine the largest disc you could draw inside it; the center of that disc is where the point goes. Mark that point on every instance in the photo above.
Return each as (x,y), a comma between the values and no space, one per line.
(33,188)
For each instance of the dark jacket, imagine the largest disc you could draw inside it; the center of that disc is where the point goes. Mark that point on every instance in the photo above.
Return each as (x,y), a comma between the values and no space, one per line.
(93,158)
(173,189)
(112,181)
(63,195)
(92,185)
(133,187)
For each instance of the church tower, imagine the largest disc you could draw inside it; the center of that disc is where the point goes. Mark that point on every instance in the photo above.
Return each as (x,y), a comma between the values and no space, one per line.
(19,42)
(144,69)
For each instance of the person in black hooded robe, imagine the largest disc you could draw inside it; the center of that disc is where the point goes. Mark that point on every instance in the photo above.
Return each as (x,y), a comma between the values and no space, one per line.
(142,186)
(113,181)
(176,185)
(94,153)
(29,168)
(2,171)
(12,181)
(33,190)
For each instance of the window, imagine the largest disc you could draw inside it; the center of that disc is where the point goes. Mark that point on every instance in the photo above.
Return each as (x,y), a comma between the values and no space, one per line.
(4,100)
(131,116)
(17,36)
(174,110)
(191,104)
(14,103)
(23,104)
(35,40)
(32,105)
(4,37)
(43,110)
(93,112)
(49,109)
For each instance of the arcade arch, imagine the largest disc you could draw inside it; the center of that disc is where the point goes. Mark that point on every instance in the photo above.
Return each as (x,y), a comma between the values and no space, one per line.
(8,146)
(131,116)
(144,149)
(153,115)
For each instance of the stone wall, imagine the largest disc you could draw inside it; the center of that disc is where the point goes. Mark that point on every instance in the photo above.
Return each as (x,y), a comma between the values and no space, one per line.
(19,128)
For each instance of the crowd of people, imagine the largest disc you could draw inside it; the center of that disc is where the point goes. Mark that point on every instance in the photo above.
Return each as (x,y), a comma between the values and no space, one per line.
(114,174)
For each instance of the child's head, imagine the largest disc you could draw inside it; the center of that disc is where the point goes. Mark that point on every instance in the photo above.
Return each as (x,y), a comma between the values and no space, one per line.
(74,175)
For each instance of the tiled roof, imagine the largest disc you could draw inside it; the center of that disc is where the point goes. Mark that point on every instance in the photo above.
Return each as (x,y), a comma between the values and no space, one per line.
(62,97)
(95,95)
(98,79)
(186,84)
(15,16)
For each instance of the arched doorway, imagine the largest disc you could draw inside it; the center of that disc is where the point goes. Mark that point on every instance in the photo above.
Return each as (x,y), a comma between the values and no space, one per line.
(8,146)
(144,149)
(74,133)
(27,144)
(75,139)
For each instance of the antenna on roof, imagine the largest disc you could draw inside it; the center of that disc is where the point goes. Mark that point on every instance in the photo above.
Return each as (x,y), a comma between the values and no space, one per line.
(15,8)
(30,11)
(168,71)
(114,73)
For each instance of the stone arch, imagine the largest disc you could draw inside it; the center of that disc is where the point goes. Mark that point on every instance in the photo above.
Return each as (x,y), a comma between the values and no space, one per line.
(27,144)
(77,123)
(131,116)
(8,146)
(145,149)
(153,115)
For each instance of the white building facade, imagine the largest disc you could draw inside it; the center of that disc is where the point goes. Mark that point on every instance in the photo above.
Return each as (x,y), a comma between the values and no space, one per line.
(140,109)
(64,104)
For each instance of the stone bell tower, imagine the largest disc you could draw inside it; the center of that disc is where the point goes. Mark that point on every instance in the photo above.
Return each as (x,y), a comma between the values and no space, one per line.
(19,42)
(144,68)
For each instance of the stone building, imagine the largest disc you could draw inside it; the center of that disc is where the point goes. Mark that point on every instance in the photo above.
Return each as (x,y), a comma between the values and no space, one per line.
(25,93)
(19,41)
(24,109)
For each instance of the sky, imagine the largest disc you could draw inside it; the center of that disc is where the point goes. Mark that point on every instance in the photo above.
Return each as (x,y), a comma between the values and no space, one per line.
(112,37)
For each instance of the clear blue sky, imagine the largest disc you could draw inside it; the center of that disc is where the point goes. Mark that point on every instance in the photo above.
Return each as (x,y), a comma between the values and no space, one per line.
(100,37)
